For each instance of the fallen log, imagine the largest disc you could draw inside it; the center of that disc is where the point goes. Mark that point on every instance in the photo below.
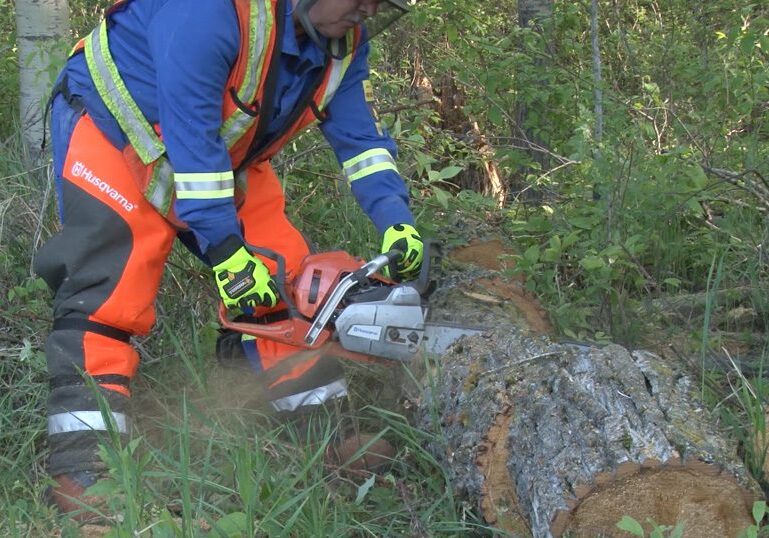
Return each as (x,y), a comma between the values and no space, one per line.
(554,439)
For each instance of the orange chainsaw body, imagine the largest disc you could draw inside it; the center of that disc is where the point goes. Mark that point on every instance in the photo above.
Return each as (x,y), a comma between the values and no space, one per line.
(307,292)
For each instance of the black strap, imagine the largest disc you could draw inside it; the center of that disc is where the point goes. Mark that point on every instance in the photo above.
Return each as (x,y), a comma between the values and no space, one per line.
(266,319)
(78,380)
(252,110)
(82,324)
(74,102)
(321,116)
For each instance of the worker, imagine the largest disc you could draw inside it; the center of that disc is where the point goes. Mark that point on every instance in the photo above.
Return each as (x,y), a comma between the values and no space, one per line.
(163,122)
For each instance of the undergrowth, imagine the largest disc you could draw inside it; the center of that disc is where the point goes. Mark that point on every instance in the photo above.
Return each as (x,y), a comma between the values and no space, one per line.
(652,236)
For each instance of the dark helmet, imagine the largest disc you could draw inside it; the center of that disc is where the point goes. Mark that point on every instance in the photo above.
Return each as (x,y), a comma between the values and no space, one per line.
(388,11)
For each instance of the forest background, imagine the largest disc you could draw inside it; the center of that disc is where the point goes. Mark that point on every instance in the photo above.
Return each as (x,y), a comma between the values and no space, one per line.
(620,148)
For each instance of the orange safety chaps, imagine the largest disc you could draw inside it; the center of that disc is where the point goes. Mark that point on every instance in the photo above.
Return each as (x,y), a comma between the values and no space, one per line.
(105,267)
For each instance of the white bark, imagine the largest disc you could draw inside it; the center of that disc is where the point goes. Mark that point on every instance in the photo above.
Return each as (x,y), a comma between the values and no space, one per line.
(597,79)
(42,30)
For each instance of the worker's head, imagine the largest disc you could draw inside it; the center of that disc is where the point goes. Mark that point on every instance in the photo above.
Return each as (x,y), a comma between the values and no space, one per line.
(332,19)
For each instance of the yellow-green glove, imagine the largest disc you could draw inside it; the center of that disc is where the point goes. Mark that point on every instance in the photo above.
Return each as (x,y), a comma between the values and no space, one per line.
(242,279)
(405,238)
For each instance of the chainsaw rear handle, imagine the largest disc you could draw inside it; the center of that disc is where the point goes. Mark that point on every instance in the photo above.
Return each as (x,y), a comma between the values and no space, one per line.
(288,331)
(280,276)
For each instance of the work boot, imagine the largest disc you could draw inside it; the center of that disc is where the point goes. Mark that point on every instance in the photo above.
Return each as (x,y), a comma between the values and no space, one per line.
(376,458)
(69,498)
(334,423)
(374,453)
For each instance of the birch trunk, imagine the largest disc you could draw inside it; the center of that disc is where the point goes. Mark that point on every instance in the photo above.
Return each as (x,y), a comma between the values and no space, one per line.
(42,28)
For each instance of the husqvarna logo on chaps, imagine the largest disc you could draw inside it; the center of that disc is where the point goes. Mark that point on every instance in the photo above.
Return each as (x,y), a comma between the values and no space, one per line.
(80,170)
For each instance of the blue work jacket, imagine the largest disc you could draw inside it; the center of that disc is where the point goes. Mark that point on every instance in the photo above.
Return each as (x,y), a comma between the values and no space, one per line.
(175,57)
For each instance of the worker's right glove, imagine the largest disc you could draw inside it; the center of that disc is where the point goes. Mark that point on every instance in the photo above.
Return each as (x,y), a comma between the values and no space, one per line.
(405,238)
(242,280)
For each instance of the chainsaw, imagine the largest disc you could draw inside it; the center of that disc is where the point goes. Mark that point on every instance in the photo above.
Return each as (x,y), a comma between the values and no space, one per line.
(344,302)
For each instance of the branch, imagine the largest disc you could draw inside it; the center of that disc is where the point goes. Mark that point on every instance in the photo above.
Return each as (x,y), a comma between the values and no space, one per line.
(408,106)
(759,190)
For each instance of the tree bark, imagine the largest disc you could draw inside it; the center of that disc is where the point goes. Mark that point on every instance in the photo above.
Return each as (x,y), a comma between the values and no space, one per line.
(483,177)
(531,13)
(42,26)
(552,439)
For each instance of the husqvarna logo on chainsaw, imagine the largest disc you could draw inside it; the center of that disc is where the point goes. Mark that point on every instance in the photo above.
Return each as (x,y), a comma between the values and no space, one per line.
(369,332)
(80,170)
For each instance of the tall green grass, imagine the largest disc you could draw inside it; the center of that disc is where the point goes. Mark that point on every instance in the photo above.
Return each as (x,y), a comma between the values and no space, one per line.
(202,462)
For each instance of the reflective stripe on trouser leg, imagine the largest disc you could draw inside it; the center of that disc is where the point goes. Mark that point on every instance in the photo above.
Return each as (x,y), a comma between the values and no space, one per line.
(294,377)
(104,266)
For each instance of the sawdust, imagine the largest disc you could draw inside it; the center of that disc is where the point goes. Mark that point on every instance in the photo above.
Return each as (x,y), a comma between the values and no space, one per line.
(708,503)
(534,314)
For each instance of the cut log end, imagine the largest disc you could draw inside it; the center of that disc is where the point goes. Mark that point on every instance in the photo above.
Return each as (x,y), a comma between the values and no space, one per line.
(706,501)
(565,439)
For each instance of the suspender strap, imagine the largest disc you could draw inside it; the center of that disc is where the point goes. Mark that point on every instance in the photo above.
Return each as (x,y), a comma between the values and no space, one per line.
(86,325)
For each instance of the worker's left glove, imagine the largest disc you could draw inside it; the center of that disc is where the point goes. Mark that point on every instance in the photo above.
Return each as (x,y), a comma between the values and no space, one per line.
(242,279)
(405,238)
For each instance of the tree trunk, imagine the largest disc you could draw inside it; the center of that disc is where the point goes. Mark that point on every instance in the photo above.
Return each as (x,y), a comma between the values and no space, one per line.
(42,28)
(551,439)
(530,14)
(532,11)
(483,177)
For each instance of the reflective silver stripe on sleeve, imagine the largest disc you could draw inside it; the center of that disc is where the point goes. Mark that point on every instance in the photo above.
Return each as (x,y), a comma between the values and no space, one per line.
(79,421)
(368,162)
(204,185)
(316,396)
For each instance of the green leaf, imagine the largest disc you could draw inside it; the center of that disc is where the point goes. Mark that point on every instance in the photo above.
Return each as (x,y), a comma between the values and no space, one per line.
(592,262)
(532,254)
(584,223)
(759,511)
(449,172)
(364,488)
(628,524)
(551,255)
(232,525)
(103,488)
(678,531)
(697,176)
(442,197)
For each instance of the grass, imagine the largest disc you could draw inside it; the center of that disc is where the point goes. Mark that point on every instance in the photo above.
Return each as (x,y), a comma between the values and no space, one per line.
(203,462)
